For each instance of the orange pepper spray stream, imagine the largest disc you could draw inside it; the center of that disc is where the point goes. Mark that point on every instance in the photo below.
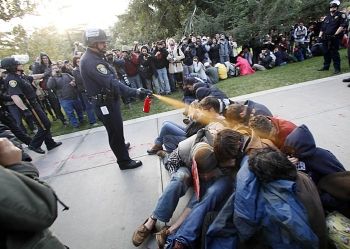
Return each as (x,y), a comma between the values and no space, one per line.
(203,116)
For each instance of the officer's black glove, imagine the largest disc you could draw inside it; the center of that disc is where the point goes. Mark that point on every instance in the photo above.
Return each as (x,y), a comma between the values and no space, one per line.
(27,114)
(142,93)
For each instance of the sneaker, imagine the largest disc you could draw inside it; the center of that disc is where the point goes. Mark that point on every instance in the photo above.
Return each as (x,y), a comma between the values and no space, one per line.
(94,125)
(323,69)
(155,148)
(161,236)
(140,235)
(336,72)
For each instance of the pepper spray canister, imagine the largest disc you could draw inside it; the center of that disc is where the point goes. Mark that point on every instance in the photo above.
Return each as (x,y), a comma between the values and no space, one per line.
(147,104)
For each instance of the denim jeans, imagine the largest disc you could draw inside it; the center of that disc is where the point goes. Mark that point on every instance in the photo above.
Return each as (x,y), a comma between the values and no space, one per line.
(155,84)
(214,194)
(89,108)
(69,106)
(135,81)
(177,187)
(171,134)
(163,80)
(187,70)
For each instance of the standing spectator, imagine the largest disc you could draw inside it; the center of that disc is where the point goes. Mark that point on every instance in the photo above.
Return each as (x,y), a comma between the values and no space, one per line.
(332,29)
(161,62)
(223,49)
(175,57)
(146,67)
(300,35)
(131,61)
(189,50)
(44,66)
(233,49)
(86,104)
(200,50)
(214,55)
(64,86)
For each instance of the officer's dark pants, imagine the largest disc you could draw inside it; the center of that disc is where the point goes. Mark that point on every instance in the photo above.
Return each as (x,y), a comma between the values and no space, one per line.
(10,122)
(55,104)
(43,135)
(114,126)
(330,51)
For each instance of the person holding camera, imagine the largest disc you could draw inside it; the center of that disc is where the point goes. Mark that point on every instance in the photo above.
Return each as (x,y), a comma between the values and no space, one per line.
(64,87)
(161,63)
(105,90)
(146,67)
(175,58)
(331,32)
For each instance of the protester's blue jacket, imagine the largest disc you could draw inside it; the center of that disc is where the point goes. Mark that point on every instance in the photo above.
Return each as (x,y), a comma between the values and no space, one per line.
(272,209)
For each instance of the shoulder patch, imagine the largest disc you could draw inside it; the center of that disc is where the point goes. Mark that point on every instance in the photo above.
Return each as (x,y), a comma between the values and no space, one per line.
(102,68)
(343,16)
(13,83)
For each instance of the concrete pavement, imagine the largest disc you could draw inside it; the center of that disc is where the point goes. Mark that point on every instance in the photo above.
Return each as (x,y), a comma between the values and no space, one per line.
(106,204)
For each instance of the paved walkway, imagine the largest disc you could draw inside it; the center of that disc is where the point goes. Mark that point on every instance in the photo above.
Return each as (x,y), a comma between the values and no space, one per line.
(107,204)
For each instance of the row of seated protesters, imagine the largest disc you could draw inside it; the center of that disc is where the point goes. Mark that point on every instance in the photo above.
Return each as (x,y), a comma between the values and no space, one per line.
(258,181)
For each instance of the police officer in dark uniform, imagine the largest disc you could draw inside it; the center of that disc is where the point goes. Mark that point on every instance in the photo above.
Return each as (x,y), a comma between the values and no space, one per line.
(330,35)
(105,91)
(6,117)
(24,96)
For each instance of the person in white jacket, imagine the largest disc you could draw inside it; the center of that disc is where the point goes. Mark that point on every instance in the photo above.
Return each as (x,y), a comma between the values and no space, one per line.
(175,58)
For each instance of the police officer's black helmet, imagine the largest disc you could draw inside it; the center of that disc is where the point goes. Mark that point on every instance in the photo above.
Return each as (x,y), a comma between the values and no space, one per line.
(92,36)
(9,63)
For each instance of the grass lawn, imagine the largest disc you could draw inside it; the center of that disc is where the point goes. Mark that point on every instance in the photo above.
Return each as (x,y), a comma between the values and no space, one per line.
(261,80)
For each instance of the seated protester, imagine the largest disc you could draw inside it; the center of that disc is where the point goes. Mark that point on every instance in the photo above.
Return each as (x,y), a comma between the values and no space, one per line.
(238,114)
(179,165)
(282,57)
(213,91)
(198,69)
(297,53)
(318,163)
(271,181)
(189,94)
(274,129)
(215,185)
(28,206)
(171,134)
(243,65)
(222,70)
(246,54)
(212,73)
(266,60)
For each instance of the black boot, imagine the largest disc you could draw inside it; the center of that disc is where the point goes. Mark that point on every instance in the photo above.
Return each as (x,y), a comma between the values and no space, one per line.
(132,164)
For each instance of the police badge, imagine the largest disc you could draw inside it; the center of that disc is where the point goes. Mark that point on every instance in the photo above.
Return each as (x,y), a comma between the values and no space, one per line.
(101,68)
(13,83)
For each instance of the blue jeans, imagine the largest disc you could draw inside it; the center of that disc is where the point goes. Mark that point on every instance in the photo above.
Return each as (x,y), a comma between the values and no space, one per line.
(213,195)
(163,80)
(177,187)
(69,106)
(135,81)
(170,135)
(89,108)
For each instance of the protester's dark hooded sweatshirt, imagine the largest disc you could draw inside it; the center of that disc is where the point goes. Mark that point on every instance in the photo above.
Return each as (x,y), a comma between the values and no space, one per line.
(318,162)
